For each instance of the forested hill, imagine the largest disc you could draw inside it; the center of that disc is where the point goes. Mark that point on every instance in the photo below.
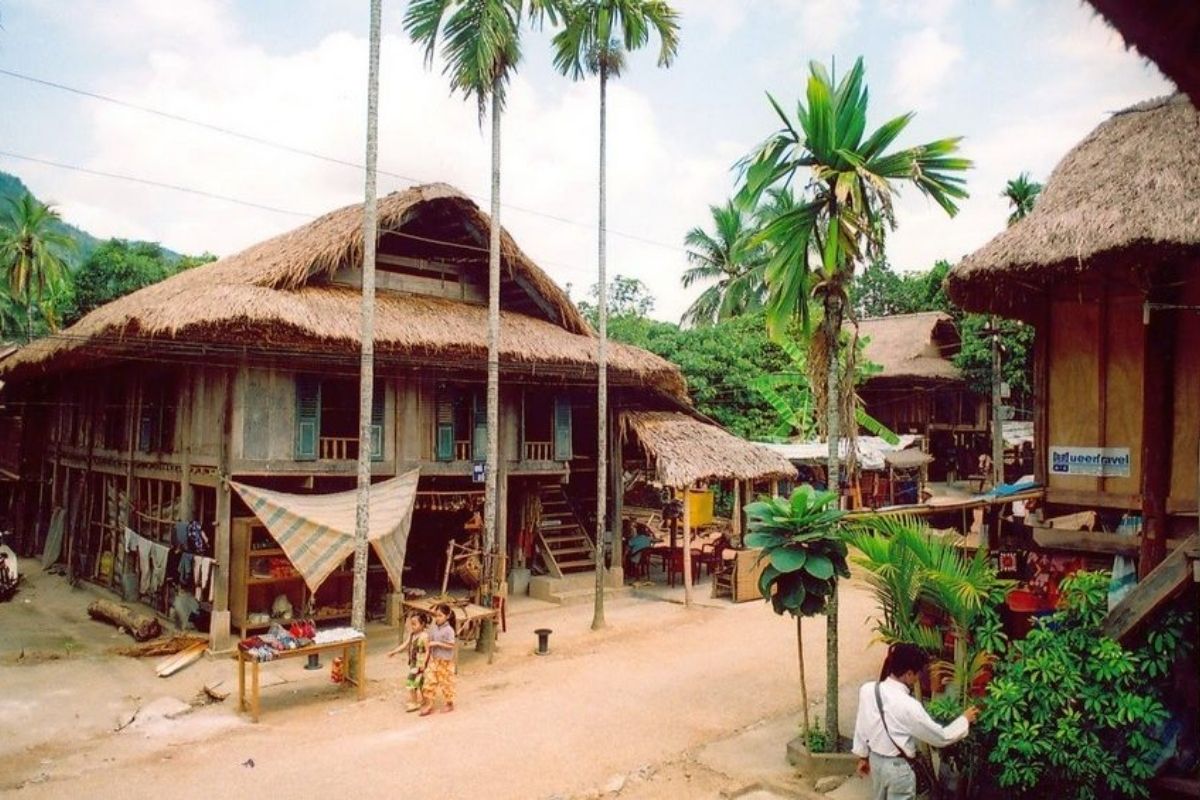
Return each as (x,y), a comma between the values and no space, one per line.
(12,187)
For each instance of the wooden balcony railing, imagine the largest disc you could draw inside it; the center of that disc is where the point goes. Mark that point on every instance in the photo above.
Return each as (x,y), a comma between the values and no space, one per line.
(339,448)
(462,451)
(539,451)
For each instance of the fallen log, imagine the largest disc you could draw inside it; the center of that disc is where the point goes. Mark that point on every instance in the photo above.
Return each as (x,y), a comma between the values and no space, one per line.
(141,627)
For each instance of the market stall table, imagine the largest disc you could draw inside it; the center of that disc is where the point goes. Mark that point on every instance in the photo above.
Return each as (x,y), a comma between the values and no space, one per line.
(358,645)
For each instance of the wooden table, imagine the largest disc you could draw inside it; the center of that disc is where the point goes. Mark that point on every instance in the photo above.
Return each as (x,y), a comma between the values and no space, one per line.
(359,646)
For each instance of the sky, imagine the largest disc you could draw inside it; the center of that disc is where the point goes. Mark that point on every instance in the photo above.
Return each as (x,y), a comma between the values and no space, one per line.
(1020,80)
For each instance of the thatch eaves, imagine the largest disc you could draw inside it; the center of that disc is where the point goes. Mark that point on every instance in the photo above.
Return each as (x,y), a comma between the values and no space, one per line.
(685,450)
(1127,194)
(912,346)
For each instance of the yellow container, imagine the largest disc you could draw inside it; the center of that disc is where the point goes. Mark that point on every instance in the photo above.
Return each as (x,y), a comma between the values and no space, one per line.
(700,506)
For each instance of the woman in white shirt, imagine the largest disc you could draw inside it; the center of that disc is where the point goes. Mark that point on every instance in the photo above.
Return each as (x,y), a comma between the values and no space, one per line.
(885,742)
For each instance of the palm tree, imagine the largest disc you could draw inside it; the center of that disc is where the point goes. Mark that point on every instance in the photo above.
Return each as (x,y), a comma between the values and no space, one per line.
(1021,193)
(482,48)
(366,378)
(724,256)
(594,39)
(33,252)
(846,181)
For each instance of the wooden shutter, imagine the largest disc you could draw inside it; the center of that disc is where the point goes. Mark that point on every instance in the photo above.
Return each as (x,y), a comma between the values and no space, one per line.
(444,426)
(377,406)
(479,430)
(562,429)
(308,417)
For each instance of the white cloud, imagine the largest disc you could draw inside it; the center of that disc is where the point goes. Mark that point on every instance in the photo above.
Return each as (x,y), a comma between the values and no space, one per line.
(146,24)
(926,12)
(822,24)
(924,60)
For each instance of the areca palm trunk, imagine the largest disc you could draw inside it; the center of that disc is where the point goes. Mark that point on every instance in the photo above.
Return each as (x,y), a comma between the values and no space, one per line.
(803,681)
(490,533)
(833,326)
(366,386)
(601,375)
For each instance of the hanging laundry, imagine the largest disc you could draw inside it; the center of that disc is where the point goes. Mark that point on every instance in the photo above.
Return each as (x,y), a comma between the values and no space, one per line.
(186,565)
(144,566)
(202,574)
(159,554)
(130,540)
(197,539)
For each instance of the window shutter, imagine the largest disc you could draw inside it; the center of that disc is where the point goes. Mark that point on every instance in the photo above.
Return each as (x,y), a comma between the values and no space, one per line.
(308,417)
(146,428)
(444,437)
(479,433)
(377,406)
(562,429)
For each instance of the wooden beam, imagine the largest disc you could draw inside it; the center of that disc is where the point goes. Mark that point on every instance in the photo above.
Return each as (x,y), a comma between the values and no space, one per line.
(1162,583)
(1158,407)
(1086,497)
(541,302)
(686,554)
(1041,391)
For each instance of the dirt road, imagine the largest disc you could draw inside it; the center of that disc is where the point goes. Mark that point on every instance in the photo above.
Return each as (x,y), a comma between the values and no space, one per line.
(625,705)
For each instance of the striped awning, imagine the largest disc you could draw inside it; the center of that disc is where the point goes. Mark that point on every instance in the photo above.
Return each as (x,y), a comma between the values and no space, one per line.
(316,531)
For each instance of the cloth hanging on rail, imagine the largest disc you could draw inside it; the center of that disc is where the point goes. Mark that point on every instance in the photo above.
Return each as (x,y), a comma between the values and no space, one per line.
(316,531)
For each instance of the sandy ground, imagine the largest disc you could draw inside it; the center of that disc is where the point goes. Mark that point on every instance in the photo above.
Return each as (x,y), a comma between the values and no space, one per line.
(665,702)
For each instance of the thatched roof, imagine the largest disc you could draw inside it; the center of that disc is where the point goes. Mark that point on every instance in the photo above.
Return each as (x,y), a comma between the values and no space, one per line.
(276,295)
(912,346)
(1165,31)
(685,450)
(1127,194)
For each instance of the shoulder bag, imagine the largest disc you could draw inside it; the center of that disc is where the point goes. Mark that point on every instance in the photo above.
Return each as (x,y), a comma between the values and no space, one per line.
(927,783)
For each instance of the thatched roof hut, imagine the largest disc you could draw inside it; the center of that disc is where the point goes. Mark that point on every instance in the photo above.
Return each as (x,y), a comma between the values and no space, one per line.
(1124,199)
(912,347)
(278,297)
(1165,31)
(685,450)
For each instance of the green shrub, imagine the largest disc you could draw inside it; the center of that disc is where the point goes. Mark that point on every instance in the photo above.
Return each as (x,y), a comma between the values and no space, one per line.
(1071,713)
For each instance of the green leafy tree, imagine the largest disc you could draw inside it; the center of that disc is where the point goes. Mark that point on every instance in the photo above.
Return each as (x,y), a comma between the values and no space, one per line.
(801,542)
(1021,193)
(846,181)
(726,259)
(1070,712)
(481,45)
(33,253)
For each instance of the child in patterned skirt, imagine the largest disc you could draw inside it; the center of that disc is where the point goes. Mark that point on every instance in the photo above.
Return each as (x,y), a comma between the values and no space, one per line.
(416,644)
(442,648)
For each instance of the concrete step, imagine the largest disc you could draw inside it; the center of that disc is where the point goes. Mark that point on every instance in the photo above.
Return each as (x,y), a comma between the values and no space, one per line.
(571,589)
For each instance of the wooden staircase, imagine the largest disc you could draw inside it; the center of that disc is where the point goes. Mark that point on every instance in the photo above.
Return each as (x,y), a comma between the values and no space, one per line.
(565,546)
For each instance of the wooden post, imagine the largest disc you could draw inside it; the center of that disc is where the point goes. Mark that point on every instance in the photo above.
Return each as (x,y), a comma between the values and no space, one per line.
(183,431)
(737,510)
(616,484)
(219,630)
(1158,372)
(774,487)
(687,546)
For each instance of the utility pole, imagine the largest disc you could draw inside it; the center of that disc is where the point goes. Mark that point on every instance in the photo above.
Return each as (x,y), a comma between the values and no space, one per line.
(997,408)
(366,385)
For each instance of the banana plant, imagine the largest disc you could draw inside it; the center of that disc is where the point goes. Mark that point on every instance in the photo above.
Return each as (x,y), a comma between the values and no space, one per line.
(800,419)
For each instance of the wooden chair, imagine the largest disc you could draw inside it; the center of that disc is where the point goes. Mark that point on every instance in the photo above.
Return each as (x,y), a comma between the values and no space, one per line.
(722,578)
(712,555)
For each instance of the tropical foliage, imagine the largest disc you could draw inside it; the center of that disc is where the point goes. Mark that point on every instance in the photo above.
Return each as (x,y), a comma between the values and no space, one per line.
(1021,193)
(33,254)
(910,567)
(1072,713)
(844,181)
(804,553)
(728,261)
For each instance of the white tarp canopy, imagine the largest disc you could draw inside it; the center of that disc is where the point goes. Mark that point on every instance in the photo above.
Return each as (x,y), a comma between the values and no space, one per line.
(316,531)
(871,450)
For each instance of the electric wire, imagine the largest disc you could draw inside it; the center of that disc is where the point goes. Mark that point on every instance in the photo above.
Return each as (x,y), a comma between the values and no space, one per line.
(300,151)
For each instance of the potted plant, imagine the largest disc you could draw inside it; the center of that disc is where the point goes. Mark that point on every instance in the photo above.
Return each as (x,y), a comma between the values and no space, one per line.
(800,538)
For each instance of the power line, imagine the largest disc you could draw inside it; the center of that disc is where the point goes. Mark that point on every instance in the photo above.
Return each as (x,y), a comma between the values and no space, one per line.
(252,204)
(157,184)
(300,151)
